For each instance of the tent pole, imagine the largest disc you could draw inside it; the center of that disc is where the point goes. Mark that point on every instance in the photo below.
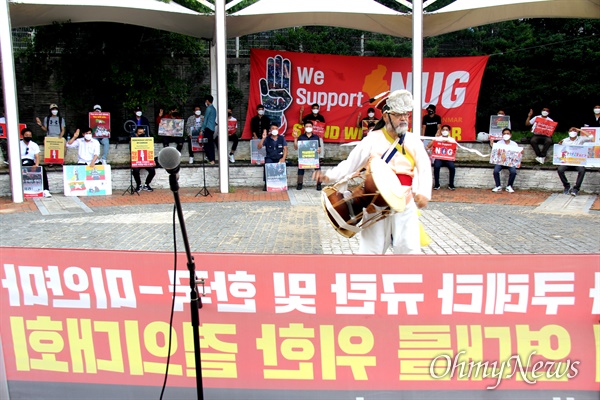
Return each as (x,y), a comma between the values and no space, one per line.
(221,63)
(10,102)
(417,61)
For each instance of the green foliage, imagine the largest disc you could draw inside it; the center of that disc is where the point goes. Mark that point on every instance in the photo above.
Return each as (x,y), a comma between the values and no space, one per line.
(116,65)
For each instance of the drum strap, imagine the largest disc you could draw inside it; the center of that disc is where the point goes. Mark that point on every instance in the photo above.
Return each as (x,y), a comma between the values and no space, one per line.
(398,145)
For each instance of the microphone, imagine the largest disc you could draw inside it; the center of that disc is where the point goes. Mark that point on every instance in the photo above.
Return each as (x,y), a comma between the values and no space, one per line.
(169,158)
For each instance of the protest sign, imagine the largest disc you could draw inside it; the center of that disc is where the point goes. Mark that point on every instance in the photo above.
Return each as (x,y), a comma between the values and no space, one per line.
(100,124)
(257,156)
(83,180)
(276,177)
(497,124)
(542,126)
(170,127)
(33,184)
(570,155)
(142,152)
(4,131)
(54,150)
(443,150)
(507,158)
(308,156)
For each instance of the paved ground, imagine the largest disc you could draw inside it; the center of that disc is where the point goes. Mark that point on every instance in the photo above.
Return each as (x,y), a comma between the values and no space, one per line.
(467,221)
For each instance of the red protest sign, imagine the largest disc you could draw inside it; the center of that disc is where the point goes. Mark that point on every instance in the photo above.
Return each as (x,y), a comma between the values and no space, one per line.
(443,150)
(4,131)
(543,126)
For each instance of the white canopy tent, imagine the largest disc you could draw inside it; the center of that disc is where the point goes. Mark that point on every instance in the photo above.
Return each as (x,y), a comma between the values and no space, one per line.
(264,15)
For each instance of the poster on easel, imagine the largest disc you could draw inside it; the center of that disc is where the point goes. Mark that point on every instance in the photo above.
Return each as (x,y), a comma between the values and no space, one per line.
(142,152)
(308,155)
(33,184)
(100,124)
(170,127)
(4,131)
(276,177)
(54,150)
(257,156)
(83,180)
(443,150)
(497,124)
(197,137)
(507,158)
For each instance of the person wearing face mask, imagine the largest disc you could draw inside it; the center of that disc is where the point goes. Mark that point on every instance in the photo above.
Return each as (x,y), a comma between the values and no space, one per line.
(104,141)
(208,128)
(30,157)
(232,128)
(573,140)
(405,154)
(88,148)
(54,125)
(313,116)
(594,122)
(432,123)
(260,123)
(276,149)
(307,135)
(367,122)
(506,144)
(139,119)
(438,164)
(537,139)
(193,124)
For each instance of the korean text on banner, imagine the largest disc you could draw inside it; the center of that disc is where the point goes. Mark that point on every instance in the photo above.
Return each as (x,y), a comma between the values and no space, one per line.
(342,85)
(92,318)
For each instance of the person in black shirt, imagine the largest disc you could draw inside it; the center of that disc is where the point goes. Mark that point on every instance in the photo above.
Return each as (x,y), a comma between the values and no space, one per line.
(260,123)
(276,149)
(432,123)
(314,116)
(594,122)
(307,135)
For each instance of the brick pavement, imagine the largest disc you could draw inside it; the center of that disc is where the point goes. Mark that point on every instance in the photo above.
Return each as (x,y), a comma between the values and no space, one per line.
(465,221)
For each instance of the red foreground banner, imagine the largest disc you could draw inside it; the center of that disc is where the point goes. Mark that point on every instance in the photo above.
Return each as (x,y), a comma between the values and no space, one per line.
(284,82)
(304,322)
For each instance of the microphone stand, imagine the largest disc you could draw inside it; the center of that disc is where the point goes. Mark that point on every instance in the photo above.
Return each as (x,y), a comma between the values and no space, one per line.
(130,189)
(204,191)
(195,301)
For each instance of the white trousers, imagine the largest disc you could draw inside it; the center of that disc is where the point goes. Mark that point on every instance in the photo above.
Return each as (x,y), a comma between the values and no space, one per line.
(401,231)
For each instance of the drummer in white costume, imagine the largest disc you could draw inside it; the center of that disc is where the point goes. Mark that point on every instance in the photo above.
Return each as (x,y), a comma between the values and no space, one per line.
(406,156)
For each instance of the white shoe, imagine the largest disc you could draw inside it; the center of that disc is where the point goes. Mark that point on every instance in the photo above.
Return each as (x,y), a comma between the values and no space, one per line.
(191,160)
(103,162)
(509,189)
(231,158)
(543,160)
(540,159)
(497,189)
(47,193)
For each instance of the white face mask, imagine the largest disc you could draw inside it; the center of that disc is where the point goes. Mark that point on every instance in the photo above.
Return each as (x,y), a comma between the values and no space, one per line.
(371,115)
(545,113)
(54,112)
(445,133)
(275,132)
(315,110)
(87,136)
(261,112)
(308,130)
(596,110)
(506,137)
(198,112)
(573,134)
(138,113)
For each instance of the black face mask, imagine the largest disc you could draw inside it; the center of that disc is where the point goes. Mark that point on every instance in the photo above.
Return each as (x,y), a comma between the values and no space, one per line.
(431,112)
(26,139)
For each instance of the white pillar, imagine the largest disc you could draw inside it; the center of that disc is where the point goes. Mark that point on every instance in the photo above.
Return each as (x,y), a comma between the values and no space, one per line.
(11,110)
(221,63)
(417,67)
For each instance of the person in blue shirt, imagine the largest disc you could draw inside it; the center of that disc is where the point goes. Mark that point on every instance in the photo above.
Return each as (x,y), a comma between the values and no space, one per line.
(208,129)
(276,149)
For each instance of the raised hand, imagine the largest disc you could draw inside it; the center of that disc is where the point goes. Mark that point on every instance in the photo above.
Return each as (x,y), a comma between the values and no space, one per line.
(275,89)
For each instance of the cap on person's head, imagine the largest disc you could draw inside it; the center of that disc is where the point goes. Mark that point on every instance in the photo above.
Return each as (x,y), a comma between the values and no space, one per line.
(97,107)
(138,108)
(260,107)
(431,107)
(53,106)
(398,101)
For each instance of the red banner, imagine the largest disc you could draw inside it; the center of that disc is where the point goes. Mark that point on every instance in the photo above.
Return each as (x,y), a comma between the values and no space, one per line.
(285,82)
(4,130)
(543,126)
(441,323)
(443,150)
(100,124)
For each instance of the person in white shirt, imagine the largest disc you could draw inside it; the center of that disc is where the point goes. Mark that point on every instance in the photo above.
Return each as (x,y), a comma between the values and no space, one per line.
(406,156)
(88,148)
(506,144)
(192,127)
(30,157)
(573,140)
(537,139)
